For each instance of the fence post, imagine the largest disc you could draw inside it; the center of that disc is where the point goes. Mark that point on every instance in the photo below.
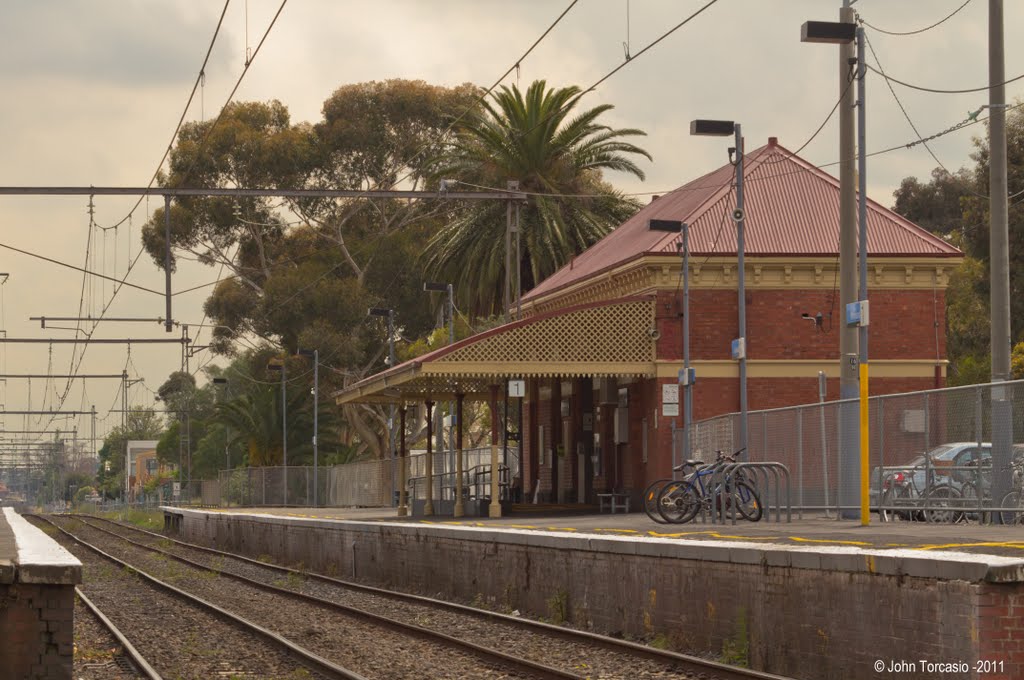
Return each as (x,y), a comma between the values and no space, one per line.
(979,417)
(800,455)
(764,436)
(881,443)
(927,424)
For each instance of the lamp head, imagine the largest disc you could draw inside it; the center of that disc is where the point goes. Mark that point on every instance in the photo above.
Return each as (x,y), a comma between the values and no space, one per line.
(712,128)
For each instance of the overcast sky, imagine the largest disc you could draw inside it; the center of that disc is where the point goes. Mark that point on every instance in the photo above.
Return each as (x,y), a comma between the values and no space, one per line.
(92,90)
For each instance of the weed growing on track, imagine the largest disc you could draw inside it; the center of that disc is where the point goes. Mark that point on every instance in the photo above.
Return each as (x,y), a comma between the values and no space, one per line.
(153,520)
(292,580)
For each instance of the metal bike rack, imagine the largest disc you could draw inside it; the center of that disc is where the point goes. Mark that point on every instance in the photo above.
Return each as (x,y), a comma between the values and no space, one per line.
(763,474)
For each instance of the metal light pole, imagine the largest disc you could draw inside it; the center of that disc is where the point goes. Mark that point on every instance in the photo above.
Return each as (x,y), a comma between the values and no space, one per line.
(844,34)
(724,128)
(227,449)
(447,288)
(283,368)
(315,354)
(390,314)
(999,253)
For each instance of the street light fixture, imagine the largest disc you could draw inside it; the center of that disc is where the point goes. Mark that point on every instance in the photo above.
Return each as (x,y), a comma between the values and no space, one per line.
(282,366)
(315,355)
(723,128)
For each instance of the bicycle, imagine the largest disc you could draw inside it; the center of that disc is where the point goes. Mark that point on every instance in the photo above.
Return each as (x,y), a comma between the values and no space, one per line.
(651,494)
(1014,498)
(901,491)
(680,501)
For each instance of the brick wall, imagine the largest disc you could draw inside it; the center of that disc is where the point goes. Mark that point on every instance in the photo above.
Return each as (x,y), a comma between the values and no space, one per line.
(903,324)
(806,622)
(36,631)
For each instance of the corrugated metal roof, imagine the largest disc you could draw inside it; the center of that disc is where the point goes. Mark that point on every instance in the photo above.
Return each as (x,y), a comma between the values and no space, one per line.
(792,208)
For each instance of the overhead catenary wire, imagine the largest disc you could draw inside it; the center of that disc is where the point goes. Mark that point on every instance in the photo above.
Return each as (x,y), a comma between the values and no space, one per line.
(156,172)
(913,127)
(935,90)
(920,30)
(166,153)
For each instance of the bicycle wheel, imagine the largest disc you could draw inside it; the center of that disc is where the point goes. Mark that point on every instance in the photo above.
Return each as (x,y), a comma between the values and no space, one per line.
(893,498)
(971,501)
(747,502)
(651,499)
(679,502)
(944,501)
(1009,517)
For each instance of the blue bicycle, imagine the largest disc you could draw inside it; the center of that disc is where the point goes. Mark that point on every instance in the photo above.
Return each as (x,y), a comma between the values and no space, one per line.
(680,501)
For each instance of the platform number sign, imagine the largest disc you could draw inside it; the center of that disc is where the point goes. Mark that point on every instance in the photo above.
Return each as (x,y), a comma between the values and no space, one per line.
(517,388)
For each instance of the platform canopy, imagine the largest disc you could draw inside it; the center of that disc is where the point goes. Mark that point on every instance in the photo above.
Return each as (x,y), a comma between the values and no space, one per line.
(606,339)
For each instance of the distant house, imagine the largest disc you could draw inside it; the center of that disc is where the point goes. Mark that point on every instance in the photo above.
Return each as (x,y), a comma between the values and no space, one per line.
(142,464)
(600,340)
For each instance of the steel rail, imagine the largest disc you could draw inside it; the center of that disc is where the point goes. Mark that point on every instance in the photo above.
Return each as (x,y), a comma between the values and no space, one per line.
(689,663)
(485,653)
(129,648)
(305,657)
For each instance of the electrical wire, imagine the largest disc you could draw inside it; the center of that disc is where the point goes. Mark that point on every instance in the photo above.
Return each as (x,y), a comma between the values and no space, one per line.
(933,90)
(913,127)
(920,30)
(177,128)
(128,218)
(78,269)
(849,84)
(231,95)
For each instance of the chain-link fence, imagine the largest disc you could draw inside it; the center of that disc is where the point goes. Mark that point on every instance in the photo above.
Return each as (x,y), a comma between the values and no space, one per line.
(372,483)
(954,426)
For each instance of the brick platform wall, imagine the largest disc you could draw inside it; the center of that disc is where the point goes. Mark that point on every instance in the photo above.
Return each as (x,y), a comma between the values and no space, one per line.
(36,631)
(802,622)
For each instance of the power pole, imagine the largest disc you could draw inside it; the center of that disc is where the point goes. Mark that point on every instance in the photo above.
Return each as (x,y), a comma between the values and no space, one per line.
(849,383)
(1002,408)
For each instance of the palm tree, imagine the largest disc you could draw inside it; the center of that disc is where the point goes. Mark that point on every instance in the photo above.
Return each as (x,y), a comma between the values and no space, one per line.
(560,159)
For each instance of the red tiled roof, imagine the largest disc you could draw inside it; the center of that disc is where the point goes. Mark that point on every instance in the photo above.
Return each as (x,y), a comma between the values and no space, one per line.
(792,208)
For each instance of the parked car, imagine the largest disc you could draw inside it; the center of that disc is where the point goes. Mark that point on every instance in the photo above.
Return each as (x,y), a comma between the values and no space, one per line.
(951,469)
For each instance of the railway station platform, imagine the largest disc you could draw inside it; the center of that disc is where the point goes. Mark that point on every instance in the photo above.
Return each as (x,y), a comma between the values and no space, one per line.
(811,530)
(37,602)
(813,598)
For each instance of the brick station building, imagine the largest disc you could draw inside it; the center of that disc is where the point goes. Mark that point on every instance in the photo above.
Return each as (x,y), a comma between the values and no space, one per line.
(600,337)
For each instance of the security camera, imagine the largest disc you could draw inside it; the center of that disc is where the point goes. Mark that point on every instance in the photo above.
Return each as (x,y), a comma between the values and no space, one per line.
(817,318)
(653,333)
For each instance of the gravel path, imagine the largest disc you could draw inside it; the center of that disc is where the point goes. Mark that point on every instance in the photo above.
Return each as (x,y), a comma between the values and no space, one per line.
(584,658)
(178,639)
(372,650)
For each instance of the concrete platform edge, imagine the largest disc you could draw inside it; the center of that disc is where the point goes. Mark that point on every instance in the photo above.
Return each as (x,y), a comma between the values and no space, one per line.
(939,565)
(39,558)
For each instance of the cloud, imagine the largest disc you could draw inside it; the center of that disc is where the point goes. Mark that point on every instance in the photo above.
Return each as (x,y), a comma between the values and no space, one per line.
(110,42)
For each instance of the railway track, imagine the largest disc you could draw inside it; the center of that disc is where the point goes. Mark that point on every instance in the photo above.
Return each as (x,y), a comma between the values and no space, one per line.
(584,653)
(182,636)
(102,651)
(371,645)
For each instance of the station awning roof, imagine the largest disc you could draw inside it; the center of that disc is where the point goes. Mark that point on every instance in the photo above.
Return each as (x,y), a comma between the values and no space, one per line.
(610,338)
